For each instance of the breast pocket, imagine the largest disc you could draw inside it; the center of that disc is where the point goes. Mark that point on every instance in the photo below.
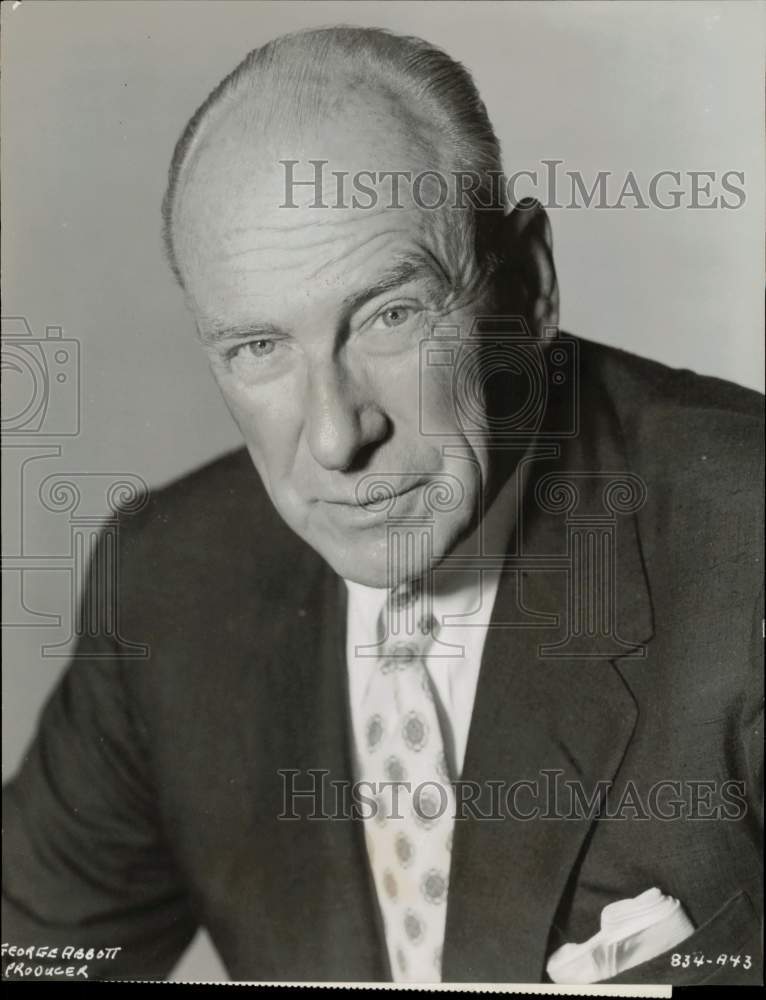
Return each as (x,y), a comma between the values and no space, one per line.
(733,930)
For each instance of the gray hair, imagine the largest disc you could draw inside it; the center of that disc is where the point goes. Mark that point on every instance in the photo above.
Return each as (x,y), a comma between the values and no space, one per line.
(301,67)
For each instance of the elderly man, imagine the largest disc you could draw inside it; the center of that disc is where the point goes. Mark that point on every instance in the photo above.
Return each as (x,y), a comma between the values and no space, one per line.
(506,572)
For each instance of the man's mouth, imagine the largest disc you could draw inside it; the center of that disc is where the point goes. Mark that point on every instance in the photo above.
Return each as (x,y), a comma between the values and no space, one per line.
(375,500)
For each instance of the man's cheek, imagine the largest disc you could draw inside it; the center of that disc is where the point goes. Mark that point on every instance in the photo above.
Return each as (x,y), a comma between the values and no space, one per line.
(393,385)
(269,425)
(436,413)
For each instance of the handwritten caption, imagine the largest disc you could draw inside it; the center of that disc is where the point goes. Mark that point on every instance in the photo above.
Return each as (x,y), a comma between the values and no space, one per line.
(51,961)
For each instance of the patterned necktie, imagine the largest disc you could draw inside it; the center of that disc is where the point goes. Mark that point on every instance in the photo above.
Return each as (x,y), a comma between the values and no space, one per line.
(409,839)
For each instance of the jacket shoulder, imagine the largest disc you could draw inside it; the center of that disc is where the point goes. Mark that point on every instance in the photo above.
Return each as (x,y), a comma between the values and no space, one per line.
(697,443)
(209,532)
(673,417)
(210,490)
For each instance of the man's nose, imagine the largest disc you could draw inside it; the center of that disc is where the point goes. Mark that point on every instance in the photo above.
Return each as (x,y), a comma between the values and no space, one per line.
(340,421)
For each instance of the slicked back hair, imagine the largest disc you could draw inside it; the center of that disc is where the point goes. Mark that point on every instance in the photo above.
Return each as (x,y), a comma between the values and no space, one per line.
(298,75)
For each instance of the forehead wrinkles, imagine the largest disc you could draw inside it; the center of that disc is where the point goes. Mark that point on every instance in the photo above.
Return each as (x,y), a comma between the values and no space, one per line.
(309,232)
(343,254)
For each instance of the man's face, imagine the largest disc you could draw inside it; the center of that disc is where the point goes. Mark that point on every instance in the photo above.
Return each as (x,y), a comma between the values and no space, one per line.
(312,319)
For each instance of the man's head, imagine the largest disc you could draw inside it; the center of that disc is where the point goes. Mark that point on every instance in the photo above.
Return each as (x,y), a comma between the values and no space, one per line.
(312,302)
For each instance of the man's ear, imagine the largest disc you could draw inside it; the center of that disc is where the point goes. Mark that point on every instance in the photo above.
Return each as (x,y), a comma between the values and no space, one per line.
(527,282)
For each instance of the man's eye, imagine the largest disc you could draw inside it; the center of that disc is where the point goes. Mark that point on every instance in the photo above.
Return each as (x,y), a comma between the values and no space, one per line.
(258,348)
(256,359)
(393,317)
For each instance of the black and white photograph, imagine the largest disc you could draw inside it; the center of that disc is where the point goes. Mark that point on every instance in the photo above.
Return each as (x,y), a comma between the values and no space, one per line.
(382,508)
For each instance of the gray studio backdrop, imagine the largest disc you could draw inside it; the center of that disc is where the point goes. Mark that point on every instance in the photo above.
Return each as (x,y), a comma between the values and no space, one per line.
(94,95)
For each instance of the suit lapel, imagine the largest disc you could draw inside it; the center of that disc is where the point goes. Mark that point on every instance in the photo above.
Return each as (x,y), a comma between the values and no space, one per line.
(545,722)
(547,712)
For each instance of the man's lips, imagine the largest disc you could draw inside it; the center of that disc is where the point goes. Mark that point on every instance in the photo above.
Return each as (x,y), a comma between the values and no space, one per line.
(376,500)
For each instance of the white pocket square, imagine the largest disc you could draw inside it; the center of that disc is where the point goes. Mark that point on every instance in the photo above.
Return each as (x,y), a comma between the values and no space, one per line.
(632,931)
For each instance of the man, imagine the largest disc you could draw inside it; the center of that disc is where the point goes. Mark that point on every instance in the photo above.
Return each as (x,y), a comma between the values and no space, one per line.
(516,567)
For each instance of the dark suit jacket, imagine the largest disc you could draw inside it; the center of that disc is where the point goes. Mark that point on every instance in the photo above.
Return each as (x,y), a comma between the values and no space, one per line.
(147,804)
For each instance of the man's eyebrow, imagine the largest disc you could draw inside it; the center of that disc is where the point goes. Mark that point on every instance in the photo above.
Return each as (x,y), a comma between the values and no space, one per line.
(407,268)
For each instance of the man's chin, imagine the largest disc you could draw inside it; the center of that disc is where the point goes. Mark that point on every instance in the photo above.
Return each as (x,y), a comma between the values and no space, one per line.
(368,566)
(373,566)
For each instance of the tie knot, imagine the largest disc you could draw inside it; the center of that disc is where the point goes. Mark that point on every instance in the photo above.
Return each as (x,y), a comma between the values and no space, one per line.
(407,623)
(405,595)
